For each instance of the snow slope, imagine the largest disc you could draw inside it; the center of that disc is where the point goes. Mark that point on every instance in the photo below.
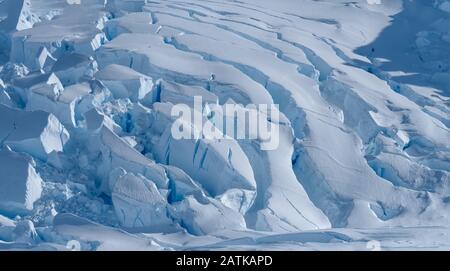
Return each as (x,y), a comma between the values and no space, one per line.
(86,93)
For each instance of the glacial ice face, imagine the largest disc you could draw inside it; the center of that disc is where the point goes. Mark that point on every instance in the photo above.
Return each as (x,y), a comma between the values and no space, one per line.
(36,133)
(139,204)
(20,185)
(73,68)
(14,16)
(203,219)
(85,36)
(124,82)
(203,158)
(86,93)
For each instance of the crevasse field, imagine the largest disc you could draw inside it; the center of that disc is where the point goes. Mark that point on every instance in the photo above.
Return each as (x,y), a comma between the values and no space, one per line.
(88,159)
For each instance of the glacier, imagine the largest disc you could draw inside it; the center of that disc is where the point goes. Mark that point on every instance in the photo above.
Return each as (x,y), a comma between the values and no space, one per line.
(88,155)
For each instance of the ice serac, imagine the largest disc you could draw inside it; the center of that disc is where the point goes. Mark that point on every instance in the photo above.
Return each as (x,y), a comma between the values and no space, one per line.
(124,82)
(114,152)
(95,120)
(220,166)
(63,34)
(67,107)
(64,103)
(149,197)
(278,191)
(38,87)
(135,22)
(152,55)
(45,60)
(20,185)
(37,133)
(72,68)
(139,205)
(202,219)
(15,15)
(195,211)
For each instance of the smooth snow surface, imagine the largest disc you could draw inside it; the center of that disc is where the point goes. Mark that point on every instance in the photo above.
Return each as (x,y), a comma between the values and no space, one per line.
(87,152)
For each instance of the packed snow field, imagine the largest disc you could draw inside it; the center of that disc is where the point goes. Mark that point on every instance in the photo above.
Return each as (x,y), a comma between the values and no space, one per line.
(87,154)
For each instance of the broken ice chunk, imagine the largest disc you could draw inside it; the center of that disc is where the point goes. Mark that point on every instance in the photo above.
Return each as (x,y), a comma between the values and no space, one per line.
(201,219)
(51,87)
(124,82)
(67,103)
(20,185)
(73,68)
(48,86)
(45,60)
(181,185)
(58,160)
(37,133)
(64,107)
(135,22)
(116,153)
(207,161)
(62,34)
(95,120)
(139,205)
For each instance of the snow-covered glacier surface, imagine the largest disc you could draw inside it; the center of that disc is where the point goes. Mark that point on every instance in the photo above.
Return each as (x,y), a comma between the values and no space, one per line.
(88,158)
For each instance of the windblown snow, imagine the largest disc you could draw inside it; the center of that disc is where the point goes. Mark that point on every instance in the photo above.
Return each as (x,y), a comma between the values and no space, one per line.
(86,150)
